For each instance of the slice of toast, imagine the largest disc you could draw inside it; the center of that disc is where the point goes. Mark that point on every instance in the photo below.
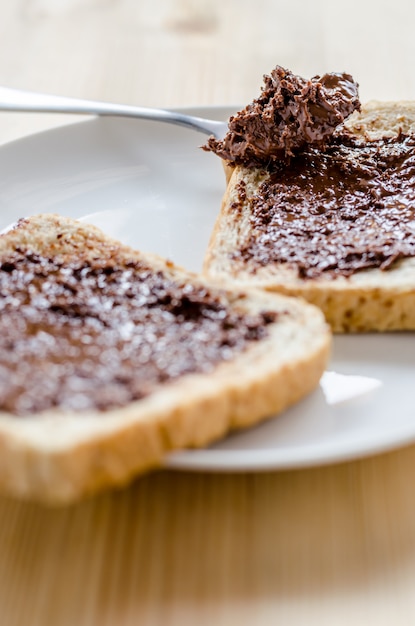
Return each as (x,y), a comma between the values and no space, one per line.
(110,359)
(365,300)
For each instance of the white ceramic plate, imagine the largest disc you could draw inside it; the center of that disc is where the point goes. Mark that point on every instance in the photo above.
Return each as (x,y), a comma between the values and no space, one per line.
(149,185)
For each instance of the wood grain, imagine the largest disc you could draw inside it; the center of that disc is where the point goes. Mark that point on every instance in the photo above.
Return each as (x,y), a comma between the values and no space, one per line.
(303,547)
(323,546)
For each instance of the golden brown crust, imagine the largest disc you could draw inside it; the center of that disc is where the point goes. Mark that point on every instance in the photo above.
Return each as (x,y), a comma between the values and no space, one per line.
(57,458)
(370,300)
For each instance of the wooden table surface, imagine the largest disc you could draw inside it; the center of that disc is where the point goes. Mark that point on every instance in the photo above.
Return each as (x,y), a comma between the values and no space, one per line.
(327,546)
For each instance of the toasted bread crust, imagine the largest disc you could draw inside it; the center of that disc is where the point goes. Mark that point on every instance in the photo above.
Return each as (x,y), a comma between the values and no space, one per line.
(369,300)
(56,457)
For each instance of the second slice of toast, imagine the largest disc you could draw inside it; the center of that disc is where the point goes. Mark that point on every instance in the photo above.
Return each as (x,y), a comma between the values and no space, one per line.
(377,298)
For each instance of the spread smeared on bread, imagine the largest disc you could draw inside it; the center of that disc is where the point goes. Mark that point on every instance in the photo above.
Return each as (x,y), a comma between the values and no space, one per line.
(100,334)
(336,212)
(290,114)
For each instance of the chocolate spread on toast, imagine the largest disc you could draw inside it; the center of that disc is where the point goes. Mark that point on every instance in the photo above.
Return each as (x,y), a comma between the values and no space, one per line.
(290,114)
(95,336)
(331,213)
(331,203)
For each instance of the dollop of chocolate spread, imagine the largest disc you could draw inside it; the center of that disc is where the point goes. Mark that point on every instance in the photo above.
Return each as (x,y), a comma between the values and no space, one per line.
(96,336)
(290,114)
(336,212)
